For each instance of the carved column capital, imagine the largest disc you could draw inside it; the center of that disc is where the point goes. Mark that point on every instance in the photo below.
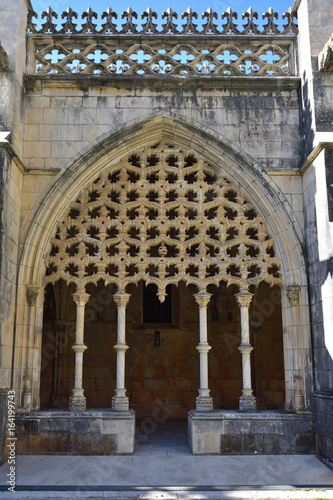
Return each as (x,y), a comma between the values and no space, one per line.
(32,294)
(244,298)
(80,299)
(293,294)
(121,298)
(202,299)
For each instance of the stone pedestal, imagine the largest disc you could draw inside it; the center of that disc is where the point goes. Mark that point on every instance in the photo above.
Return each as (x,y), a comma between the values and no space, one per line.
(90,432)
(223,432)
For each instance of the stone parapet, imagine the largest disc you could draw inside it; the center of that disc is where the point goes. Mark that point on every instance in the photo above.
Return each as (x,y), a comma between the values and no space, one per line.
(236,433)
(212,50)
(92,432)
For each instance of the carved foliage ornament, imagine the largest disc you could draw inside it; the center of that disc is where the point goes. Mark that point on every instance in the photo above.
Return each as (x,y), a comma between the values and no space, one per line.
(293,294)
(32,294)
(162,215)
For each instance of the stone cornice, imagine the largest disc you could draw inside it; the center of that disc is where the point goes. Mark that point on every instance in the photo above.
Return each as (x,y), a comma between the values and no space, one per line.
(35,83)
(322,140)
(6,144)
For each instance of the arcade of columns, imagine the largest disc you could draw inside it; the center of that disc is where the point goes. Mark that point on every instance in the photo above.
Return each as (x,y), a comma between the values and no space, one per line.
(163,215)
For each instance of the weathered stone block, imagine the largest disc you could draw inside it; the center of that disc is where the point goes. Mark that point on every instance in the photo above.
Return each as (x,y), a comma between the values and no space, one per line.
(261,432)
(87,433)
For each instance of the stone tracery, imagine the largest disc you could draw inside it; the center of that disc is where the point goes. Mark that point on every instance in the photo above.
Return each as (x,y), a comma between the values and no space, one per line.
(162,215)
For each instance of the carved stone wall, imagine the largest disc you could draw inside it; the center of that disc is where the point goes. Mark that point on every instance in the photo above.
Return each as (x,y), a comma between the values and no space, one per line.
(162,215)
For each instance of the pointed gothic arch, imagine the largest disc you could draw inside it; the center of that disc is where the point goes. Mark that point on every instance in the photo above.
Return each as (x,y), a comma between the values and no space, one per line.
(246,174)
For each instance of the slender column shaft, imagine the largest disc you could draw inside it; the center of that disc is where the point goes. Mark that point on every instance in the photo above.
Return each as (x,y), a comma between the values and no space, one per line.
(203,342)
(247,401)
(77,401)
(120,400)
(31,295)
(204,400)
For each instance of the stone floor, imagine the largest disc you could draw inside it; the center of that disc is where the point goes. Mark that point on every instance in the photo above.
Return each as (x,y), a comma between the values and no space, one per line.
(162,459)
(163,439)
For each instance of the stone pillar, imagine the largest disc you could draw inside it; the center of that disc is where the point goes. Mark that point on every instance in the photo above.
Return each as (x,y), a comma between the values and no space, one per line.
(31,296)
(204,400)
(297,375)
(77,402)
(247,402)
(120,400)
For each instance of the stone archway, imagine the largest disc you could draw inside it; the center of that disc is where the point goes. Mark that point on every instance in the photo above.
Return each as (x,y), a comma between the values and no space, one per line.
(162,215)
(244,173)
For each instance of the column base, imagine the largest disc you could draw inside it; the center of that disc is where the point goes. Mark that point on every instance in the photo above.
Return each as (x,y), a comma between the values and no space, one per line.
(77,403)
(247,402)
(204,403)
(299,402)
(120,402)
(27,397)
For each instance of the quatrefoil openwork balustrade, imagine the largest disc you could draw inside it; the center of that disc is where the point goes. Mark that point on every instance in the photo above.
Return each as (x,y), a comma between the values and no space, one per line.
(162,215)
(167,48)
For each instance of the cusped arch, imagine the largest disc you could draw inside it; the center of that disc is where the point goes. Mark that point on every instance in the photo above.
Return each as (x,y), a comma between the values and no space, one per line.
(162,215)
(214,149)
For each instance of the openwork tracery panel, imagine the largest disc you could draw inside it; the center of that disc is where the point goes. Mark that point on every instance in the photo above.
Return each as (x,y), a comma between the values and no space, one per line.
(167,47)
(162,215)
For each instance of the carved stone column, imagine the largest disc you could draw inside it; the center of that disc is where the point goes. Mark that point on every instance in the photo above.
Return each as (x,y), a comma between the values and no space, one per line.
(120,400)
(77,401)
(31,296)
(247,402)
(293,292)
(204,400)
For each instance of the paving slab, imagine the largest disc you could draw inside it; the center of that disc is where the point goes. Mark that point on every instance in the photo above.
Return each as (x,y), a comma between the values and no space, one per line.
(88,472)
(157,494)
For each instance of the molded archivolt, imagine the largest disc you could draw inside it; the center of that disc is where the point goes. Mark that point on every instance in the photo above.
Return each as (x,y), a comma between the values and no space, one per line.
(250,182)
